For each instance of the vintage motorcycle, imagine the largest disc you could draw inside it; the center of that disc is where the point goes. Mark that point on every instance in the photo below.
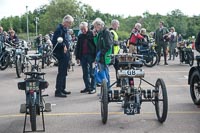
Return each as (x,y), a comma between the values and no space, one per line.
(130,95)
(33,85)
(149,54)
(186,55)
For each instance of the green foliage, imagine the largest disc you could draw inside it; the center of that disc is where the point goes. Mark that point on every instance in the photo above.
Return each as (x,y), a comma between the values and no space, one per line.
(51,15)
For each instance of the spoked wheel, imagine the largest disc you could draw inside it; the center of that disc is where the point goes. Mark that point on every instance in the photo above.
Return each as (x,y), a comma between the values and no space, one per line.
(151,60)
(4,62)
(191,58)
(104,102)
(161,100)
(18,67)
(195,87)
(33,114)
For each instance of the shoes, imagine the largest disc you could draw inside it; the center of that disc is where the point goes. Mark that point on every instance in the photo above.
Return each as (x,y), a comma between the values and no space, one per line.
(166,63)
(66,92)
(92,92)
(84,91)
(158,63)
(60,95)
(72,64)
(118,85)
(169,59)
(98,84)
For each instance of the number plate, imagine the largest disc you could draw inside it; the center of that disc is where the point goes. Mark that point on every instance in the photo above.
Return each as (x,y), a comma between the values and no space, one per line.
(131,108)
(131,73)
(32,86)
(18,50)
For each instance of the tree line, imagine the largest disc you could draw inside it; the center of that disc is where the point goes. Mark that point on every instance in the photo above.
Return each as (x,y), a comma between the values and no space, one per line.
(52,14)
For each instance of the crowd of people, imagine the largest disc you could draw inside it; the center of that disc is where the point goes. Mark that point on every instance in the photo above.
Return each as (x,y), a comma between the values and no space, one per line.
(94,44)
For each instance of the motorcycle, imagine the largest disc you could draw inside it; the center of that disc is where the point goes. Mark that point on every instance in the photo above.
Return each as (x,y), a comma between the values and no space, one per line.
(7,56)
(20,60)
(33,85)
(186,55)
(149,54)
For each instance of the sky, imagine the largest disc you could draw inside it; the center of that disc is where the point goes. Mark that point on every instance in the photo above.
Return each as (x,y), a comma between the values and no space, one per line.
(114,7)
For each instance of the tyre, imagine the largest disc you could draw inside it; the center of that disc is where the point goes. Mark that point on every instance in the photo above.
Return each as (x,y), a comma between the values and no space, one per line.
(194,87)
(19,68)
(4,62)
(161,100)
(33,114)
(104,102)
(191,58)
(151,60)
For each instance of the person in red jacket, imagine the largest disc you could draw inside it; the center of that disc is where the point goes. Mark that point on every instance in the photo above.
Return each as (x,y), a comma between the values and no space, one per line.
(133,40)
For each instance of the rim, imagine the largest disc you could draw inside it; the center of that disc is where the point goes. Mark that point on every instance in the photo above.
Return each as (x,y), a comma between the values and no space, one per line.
(160,103)
(196,89)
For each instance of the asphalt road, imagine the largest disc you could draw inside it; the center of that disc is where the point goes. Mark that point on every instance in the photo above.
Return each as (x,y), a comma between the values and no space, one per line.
(80,113)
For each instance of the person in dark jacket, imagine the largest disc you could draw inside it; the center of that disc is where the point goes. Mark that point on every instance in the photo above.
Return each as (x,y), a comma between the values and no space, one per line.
(62,54)
(104,47)
(86,53)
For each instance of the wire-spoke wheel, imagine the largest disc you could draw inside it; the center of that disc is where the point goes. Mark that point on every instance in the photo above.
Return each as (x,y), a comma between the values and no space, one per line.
(104,101)
(161,100)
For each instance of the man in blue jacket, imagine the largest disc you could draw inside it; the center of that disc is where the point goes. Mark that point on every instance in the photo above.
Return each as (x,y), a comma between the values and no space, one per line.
(62,54)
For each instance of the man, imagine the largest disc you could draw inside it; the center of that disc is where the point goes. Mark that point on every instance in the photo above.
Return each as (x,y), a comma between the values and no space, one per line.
(39,41)
(86,53)
(116,47)
(104,47)
(62,54)
(161,41)
(135,36)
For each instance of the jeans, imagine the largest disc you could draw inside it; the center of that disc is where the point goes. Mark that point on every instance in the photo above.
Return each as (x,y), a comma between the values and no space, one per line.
(106,69)
(88,72)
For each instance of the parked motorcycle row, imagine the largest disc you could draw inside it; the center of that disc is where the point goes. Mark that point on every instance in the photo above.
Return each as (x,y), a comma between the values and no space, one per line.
(183,50)
(15,56)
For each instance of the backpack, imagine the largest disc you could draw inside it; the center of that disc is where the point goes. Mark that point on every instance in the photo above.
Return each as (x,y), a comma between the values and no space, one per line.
(197,42)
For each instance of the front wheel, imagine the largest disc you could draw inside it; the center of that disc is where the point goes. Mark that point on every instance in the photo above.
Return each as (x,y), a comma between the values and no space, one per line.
(104,102)
(33,114)
(18,67)
(195,87)
(161,100)
(4,62)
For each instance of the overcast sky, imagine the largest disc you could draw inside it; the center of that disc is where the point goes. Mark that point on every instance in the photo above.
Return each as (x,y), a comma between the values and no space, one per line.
(120,7)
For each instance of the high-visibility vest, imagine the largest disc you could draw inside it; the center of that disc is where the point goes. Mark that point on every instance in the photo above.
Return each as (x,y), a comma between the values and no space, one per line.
(116,48)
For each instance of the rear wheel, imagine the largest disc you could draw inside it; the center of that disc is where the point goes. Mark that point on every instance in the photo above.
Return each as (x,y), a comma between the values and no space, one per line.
(18,67)
(151,59)
(33,114)
(161,100)
(195,87)
(104,102)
